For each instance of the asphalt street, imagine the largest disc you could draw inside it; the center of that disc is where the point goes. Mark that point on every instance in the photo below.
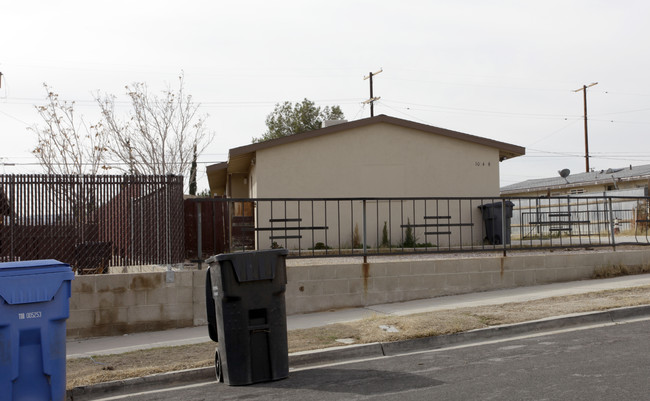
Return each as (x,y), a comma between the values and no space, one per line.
(604,362)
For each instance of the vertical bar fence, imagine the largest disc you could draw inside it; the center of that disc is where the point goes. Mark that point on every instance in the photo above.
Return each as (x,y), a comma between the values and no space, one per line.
(92,222)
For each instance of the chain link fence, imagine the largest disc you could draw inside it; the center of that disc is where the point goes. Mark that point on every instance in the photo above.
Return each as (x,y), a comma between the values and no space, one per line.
(92,222)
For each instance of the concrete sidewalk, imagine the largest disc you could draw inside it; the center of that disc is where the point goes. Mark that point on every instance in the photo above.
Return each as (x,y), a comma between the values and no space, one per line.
(192,335)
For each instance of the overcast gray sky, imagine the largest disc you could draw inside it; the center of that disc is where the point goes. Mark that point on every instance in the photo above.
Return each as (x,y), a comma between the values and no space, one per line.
(504,70)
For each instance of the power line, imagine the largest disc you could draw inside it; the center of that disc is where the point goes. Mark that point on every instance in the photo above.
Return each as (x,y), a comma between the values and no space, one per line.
(554,132)
(405,114)
(482,111)
(30,101)
(15,118)
(110,164)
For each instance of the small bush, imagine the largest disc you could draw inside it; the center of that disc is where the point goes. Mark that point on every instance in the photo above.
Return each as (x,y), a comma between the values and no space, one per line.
(384,237)
(410,240)
(320,245)
(356,238)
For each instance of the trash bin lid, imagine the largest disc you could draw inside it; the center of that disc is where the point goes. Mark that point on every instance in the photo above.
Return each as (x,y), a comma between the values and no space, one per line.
(33,280)
(30,267)
(253,265)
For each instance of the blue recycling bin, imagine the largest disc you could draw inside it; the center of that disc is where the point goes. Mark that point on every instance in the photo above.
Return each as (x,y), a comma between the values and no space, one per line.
(34,305)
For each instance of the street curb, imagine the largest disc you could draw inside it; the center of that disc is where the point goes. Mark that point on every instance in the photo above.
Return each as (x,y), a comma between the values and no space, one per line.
(372,350)
(505,331)
(140,383)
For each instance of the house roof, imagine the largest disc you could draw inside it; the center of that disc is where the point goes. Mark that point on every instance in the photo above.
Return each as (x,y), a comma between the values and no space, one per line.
(217,174)
(240,159)
(608,176)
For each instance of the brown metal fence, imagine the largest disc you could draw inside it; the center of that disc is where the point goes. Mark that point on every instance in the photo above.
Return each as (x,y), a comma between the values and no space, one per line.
(206,221)
(92,222)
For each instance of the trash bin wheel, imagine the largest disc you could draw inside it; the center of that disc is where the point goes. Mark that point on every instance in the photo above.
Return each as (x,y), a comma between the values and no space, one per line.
(217,367)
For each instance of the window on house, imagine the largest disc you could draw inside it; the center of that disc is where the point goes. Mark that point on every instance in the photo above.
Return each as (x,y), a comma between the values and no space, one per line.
(576,191)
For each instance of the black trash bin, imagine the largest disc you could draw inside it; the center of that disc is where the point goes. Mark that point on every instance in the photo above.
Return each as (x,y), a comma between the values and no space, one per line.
(493,220)
(247,316)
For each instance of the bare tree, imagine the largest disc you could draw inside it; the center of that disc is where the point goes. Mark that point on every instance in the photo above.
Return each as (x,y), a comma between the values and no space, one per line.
(66,144)
(160,133)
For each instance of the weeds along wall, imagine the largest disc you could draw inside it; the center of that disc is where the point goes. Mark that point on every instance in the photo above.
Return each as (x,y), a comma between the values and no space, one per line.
(115,304)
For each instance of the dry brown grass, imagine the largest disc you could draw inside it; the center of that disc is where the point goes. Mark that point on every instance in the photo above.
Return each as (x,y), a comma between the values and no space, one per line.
(86,371)
(620,270)
(104,368)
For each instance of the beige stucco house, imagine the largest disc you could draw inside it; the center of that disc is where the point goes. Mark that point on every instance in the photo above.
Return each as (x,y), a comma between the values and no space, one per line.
(380,156)
(377,157)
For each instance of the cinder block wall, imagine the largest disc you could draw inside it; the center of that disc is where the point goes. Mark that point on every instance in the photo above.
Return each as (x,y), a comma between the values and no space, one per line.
(318,288)
(116,304)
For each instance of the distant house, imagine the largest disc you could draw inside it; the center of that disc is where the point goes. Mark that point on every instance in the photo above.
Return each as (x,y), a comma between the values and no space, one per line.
(633,180)
(374,157)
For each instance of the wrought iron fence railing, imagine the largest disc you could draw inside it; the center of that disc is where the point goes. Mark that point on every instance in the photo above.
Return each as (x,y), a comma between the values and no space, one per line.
(329,227)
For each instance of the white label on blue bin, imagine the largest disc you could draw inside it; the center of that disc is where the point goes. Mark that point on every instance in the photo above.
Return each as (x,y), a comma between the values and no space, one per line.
(30,315)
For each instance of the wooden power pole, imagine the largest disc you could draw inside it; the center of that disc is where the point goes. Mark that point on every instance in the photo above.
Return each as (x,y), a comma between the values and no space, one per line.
(584,93)
(372,98)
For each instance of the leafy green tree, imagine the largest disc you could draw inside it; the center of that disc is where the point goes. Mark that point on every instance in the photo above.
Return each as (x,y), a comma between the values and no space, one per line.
(289,119)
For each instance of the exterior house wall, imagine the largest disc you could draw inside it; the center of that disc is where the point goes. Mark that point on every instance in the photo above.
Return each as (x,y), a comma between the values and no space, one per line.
(380,160)
(239,185)
(363,162)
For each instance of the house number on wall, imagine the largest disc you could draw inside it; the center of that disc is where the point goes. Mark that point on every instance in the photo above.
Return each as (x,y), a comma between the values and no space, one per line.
(481,164)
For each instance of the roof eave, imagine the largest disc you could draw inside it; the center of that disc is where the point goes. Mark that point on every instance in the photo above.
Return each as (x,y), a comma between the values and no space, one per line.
(506,150)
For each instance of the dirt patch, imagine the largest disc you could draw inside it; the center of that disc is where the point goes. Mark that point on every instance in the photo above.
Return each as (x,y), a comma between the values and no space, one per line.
(87,371)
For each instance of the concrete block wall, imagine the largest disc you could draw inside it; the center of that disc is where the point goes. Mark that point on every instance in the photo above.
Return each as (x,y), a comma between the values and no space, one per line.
(321,287)
(115,304)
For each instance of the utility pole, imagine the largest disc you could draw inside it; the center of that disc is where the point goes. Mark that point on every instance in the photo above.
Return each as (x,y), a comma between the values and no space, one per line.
(372,98)
(584,93)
